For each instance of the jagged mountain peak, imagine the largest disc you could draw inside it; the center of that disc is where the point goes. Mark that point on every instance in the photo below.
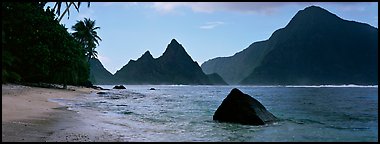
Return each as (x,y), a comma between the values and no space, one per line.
(147,55)
(174,41)
(174,47)
(175,66)
(175,51)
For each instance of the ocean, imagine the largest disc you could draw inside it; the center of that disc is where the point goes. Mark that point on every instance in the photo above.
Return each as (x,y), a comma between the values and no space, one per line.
(184,113)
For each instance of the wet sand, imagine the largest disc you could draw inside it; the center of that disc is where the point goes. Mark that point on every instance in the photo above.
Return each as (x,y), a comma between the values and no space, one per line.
(28,115)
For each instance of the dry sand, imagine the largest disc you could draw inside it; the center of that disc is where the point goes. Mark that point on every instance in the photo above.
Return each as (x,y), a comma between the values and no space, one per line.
(24,102)
(27,115)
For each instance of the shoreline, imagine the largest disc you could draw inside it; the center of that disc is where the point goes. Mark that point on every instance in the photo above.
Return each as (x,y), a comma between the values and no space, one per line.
(28,115)
(26,102)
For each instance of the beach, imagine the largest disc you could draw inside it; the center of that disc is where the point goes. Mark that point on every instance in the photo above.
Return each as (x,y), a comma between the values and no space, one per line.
(28,115)
(185,114)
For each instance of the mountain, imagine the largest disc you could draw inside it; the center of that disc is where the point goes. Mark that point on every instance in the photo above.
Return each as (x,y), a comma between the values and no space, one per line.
(235,68)
(98,74)
(315,47)
(216,79)
(175,66)
(318,47)
(141,71)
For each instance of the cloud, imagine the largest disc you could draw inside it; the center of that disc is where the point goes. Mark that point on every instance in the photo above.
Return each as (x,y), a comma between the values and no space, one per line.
(121,4)
(211,25)
(242,7)
(347,6)
(208,7)
(168,6)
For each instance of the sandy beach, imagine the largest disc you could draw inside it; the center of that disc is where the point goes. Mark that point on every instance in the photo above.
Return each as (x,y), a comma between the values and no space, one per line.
(28,115)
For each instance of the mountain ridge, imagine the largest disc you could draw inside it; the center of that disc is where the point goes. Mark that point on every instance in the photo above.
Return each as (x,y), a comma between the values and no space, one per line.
(99,74)
(310,29)
(174,66)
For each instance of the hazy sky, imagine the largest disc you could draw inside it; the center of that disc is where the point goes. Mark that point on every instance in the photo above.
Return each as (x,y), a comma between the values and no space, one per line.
(205,29)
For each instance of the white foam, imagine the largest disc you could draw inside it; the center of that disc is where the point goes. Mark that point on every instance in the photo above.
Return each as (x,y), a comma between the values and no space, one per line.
(349,85)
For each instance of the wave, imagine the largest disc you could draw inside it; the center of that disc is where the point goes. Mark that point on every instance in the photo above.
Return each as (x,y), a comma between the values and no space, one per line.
(303,121)
(319,86)
(309,86)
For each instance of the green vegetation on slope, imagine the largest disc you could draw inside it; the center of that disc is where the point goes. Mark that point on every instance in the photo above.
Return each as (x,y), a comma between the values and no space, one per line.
(36,48)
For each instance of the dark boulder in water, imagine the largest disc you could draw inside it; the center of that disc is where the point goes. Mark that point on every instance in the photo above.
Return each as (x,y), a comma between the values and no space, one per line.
(241,108)
(101,93)
(98,88)
(152,89)
(119,87)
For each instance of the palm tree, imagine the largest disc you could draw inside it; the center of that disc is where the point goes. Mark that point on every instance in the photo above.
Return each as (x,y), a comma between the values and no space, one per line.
(84,32)
(57,8)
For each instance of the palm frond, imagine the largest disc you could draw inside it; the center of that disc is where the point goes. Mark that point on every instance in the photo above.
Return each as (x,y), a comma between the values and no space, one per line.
(58,5)
(77,7)
(57,8)
(68,11)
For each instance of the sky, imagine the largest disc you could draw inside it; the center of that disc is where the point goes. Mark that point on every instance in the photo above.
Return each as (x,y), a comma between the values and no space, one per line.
(205,29)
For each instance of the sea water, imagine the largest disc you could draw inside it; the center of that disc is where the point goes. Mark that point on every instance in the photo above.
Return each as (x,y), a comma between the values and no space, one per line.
(184,113)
